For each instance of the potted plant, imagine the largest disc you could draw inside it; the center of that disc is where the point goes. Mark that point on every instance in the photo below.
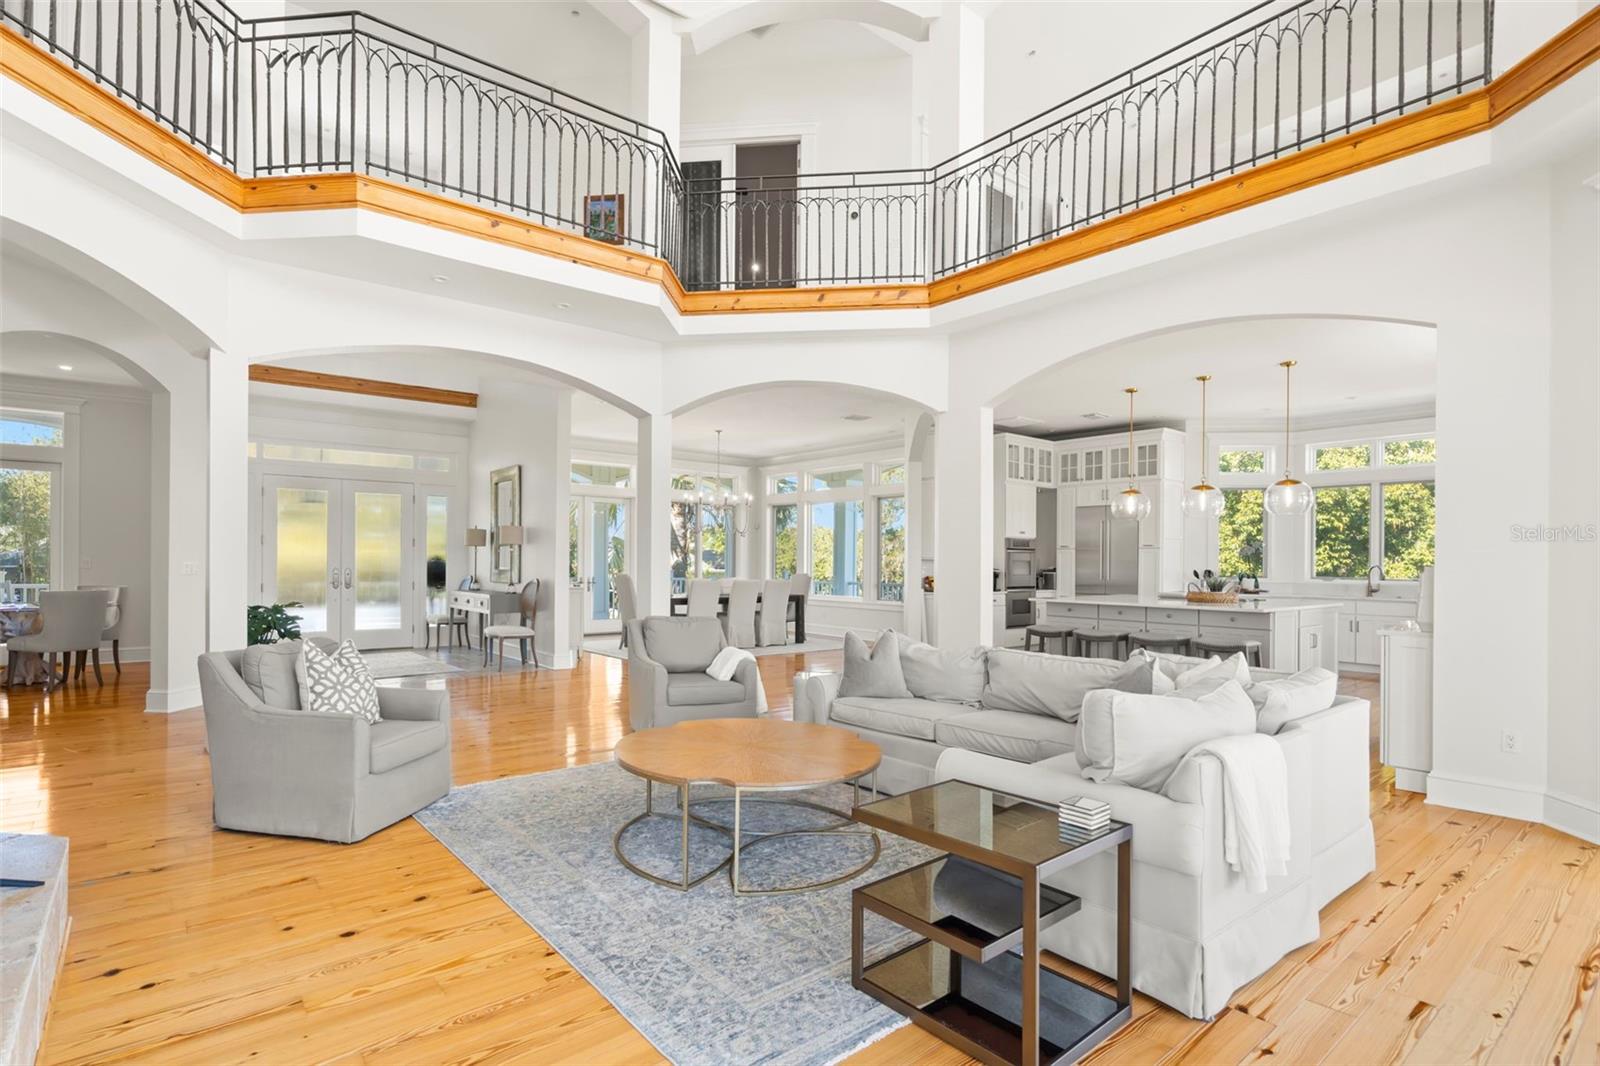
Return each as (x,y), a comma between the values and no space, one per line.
(1209,587)
(269,623)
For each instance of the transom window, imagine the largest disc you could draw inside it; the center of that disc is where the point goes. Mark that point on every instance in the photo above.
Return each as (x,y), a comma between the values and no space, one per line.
(1241,461)
(309,453)
(1367,513)
(607,475)
(35,429)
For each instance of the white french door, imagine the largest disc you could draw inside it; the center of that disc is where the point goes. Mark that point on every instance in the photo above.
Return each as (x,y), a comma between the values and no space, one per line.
(345,551)
(601,531)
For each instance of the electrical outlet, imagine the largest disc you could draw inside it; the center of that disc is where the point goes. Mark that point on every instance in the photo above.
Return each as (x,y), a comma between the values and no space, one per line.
(85,563)
(191,568)
(1510,742)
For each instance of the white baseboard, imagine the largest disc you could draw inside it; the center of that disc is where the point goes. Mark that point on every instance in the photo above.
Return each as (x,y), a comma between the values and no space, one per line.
(129,654)
(1572,815)
(1485,797)
(166,701)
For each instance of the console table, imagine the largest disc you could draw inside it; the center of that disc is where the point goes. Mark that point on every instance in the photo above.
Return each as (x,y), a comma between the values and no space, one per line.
(485,603)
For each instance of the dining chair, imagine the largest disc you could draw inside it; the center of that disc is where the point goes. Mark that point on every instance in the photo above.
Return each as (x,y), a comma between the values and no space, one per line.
(523,632)
(705,595)
(71,624)
(115,610)
(627,604)
(739,624)
(801,585)
(772,623)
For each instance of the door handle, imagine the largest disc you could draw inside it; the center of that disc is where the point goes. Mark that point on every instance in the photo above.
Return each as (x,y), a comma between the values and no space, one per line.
(333,578)
(347,578)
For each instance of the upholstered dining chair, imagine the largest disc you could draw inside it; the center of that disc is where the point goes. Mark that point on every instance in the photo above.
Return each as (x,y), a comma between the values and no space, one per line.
(522,632)
(739,624)
(772,623)
(115,610)
(627,604)
(72,624)
(705,595)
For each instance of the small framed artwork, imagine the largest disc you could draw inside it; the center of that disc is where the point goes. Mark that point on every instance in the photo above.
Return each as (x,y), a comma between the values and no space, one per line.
(603,218)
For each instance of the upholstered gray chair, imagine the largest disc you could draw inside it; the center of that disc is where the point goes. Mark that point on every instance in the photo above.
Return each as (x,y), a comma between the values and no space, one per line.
(667,679)
(739,623)
(772,622)
(281,770)
(705,597)
(116,609)
(627,603)
(70,626)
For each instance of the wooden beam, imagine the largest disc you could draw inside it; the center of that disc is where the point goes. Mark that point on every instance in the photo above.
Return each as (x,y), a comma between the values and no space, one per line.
(1558,59)
(268,374)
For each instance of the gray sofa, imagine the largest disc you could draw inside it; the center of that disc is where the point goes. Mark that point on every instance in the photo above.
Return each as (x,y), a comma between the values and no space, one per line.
(277,769)
(667,679)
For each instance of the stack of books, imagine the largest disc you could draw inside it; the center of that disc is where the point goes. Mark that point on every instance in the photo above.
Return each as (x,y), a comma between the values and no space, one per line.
(1083,818)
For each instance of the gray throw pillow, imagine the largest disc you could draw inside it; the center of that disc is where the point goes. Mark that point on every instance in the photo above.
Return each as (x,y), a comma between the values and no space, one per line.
(941,674)
(875,672)
(269,671)
(337,682)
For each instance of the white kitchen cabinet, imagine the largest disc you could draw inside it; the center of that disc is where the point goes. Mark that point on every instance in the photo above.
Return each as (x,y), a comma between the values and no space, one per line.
(1028,452)
(1092,461)
(1147,459)
(1021,511)
(1068,463)
(1117,460)
(1405,726)
(999,617)
(1312,644)
(1013,461)
(1043,471)
(1093,495)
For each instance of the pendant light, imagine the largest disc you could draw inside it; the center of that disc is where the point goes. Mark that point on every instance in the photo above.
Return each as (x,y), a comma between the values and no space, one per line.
(720,499)
(1203,500)
(1287,497)
(1130,503)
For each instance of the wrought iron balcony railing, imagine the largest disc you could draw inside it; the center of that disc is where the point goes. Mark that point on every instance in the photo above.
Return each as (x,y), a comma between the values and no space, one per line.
(348,93)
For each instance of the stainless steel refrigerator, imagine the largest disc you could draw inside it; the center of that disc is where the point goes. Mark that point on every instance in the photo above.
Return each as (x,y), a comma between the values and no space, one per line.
(1107,557)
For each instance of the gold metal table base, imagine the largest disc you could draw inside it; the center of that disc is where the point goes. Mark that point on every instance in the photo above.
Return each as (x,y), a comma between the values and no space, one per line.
(845,827)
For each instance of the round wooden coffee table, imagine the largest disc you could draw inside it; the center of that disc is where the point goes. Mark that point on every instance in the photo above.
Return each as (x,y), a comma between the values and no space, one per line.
(750,755)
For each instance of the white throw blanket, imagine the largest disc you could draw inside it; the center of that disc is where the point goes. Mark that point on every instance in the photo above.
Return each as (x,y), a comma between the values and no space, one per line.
(1255,805)
(727,662)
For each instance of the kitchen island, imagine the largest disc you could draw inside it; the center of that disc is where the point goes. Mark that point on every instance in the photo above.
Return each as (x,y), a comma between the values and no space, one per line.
(1293,635)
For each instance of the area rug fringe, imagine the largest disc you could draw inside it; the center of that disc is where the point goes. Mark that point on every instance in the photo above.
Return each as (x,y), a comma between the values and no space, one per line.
(868,1042)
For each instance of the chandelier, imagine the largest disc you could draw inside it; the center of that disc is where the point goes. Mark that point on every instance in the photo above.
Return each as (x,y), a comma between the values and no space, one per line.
(719,498)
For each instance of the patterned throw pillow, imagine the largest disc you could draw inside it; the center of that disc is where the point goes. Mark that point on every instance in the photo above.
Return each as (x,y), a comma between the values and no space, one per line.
(336,682)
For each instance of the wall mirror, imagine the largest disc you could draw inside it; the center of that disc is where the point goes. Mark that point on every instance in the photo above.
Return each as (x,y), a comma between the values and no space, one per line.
(505,502)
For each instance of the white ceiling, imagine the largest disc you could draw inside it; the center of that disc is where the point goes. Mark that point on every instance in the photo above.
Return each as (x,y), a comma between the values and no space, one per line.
(790,44)
(785,419)
(42,355)
(1345,367)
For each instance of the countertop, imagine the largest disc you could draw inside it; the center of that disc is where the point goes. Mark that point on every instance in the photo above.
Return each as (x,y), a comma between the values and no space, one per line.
(1246,603)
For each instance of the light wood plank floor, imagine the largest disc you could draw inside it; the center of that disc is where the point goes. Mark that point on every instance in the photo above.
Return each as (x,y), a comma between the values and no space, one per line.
(1477,940)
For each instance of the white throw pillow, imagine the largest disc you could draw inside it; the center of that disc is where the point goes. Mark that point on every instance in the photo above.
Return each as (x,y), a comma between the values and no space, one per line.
(873,672)
(1171,665)
(1054,685)
(942,674)
(1138,740)
(1143,676)
(1233,667)
(1281,700)
(336,682)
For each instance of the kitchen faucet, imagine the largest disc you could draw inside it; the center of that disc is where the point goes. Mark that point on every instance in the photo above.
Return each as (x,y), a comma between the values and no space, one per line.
(1372,588)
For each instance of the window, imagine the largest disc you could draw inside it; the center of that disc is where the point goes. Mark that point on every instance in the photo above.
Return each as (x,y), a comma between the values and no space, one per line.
(301,453)
(1241,461)
(1242,533)
(783,484)
(892,548)
(785,540)
(1342,457)
(37,429)
(1407,528)
(850,478)
(716,549)
(682,536)
(892,474)
(837,540)
(703,538)
(605,474)
(438,536)
(27,530)
(1342,545)
(1409,452)
(573,536)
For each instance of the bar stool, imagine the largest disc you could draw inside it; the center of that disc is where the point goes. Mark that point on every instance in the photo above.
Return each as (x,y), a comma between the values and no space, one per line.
(1090,640)
(1046,632)
(1204,646)
(1158,642)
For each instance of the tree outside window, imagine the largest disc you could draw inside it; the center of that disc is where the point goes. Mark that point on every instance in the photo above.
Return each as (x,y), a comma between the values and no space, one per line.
(1343,457)
(1241,461)
(785,540)
(25,525)
(1409,452)
(1407,529)
(1343,527)
(837,542)
(1242,533)
(892,548)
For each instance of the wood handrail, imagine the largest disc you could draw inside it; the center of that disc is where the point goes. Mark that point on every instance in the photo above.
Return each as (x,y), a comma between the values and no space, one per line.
(1552,63)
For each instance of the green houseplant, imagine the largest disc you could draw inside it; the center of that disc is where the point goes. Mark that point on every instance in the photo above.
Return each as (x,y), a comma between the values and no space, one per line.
(270,623)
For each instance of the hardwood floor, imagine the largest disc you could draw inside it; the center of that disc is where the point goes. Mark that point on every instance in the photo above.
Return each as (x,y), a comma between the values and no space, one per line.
(1477,939)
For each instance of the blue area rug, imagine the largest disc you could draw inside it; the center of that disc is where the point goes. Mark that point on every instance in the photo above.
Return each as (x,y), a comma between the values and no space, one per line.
(705,976)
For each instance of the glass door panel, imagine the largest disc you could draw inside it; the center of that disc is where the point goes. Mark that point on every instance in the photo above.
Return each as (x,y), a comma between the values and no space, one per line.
(301,551)
(605,556)
(377,577)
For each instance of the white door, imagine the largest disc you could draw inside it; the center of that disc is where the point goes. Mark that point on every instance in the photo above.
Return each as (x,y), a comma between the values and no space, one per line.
(603,532)
(344,551)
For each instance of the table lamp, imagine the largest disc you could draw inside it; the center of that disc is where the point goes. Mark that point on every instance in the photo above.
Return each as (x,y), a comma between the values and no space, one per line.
(476,538)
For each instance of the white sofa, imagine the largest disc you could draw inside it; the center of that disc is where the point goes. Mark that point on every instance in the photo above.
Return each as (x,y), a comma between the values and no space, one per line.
(1198,933)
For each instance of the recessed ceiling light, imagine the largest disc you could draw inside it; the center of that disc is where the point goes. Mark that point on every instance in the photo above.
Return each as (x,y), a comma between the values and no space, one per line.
(857,418)
(1032,52)
(563,306)
(62,366)
(440,278)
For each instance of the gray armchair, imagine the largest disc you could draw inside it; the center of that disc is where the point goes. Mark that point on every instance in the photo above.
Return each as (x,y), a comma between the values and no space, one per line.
(281,770)
(667,679)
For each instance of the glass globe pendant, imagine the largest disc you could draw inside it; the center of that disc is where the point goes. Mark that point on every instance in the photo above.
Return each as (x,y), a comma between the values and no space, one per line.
(1130,503)
(1287,497)
(1203,500)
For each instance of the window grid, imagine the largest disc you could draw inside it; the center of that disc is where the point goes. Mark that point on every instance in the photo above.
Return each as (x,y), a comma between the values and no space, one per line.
(850,500)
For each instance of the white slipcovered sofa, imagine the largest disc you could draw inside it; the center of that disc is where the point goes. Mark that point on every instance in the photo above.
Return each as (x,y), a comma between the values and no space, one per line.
(1198,933)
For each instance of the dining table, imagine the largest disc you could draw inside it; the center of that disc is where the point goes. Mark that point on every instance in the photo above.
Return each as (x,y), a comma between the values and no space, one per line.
(798,599)
(17,619)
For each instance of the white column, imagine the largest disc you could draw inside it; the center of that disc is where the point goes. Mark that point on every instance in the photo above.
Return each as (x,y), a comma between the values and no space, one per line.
(947,81)
(227,502)
(657,74)
(179,532)
(964,460)
(652,545)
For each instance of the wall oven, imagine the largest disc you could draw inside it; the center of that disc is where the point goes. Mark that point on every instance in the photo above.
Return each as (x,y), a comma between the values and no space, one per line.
(1020,571)
(1019,608)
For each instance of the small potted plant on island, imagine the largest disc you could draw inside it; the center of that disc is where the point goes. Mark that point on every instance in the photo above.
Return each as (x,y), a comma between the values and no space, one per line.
(1208,587)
